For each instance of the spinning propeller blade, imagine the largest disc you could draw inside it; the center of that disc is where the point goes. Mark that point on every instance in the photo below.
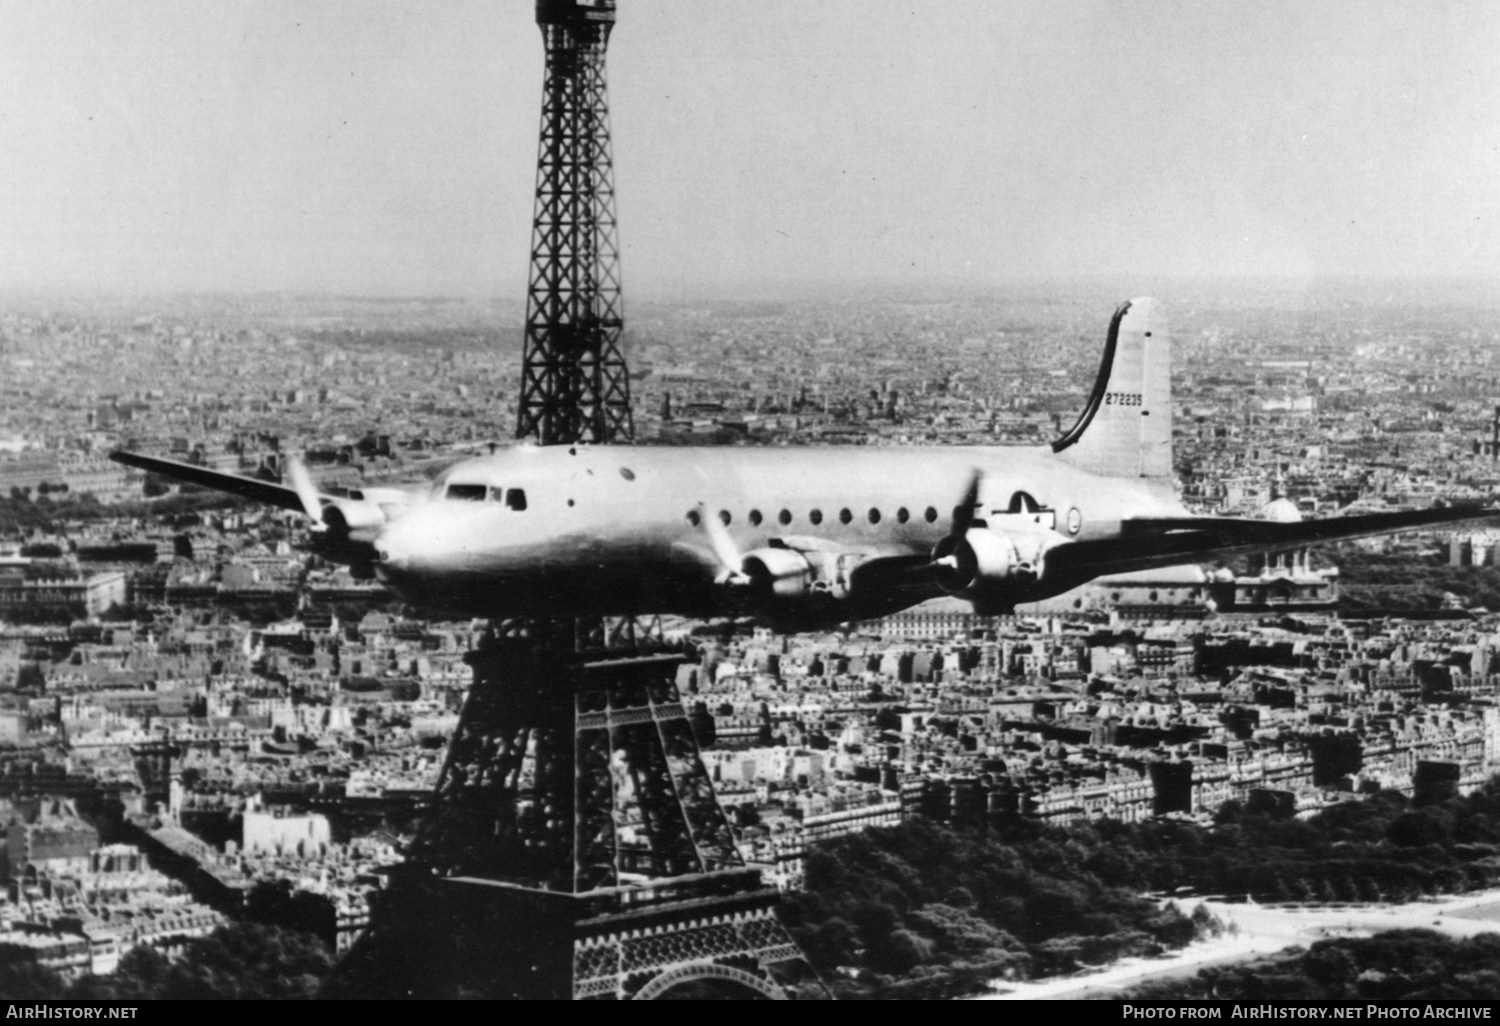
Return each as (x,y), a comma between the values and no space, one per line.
(724,548)
(963,513)
(307,493)
(943,558)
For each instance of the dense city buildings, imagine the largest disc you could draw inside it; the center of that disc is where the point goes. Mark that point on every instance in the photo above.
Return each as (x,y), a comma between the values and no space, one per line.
(200,721)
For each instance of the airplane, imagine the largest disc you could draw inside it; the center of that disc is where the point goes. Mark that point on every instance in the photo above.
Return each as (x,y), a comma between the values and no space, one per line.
(799,538)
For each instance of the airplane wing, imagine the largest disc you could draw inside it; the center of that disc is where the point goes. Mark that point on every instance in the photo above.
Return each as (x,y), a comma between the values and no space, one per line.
(1150,543)
(343,527)
(267,492)
(887,583)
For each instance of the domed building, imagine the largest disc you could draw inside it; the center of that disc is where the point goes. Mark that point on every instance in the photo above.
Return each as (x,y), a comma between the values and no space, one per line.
(1168,593)
(1279,581)
(1280,510)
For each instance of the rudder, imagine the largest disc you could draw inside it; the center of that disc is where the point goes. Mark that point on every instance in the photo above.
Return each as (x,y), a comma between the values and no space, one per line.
(1125,430)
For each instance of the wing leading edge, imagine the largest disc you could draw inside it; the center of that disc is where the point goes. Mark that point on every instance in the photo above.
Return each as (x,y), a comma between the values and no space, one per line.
(1151,543)
(267,492)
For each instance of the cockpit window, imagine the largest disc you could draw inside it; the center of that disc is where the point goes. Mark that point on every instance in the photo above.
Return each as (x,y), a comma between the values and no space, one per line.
(515,498)
(497,494)
(467,492)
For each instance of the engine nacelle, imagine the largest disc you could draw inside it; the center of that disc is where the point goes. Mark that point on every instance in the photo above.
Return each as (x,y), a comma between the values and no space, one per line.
(783,573)
(985,558)
(348,531)
(350,515)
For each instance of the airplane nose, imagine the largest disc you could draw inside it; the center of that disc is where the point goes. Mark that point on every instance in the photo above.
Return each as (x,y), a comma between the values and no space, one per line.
(423,554)
(393,549)
(419,546)
(393,565)
(407,548)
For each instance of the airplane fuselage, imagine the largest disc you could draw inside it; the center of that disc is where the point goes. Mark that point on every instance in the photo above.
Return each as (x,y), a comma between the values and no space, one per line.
(800,537)
(618,530)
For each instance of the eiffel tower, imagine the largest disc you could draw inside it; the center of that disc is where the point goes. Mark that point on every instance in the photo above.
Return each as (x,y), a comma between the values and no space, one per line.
(576,848)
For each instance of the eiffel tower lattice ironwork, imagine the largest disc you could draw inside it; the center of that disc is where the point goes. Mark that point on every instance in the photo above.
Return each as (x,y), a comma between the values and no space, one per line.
(574,384)
(575,848)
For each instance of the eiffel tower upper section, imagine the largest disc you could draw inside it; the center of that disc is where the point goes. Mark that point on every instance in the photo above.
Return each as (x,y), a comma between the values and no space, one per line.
(574,383)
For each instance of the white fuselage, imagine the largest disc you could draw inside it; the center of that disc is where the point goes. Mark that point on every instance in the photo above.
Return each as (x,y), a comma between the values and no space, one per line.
(616,530)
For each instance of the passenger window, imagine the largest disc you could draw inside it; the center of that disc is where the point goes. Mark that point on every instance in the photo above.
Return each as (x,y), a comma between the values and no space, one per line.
(468,492)
(930,515)
(874,516)
(784,517)
(816,516)
(516,499)
(755,517)
(693,517)
(725,518)
(903,515)
(845,516)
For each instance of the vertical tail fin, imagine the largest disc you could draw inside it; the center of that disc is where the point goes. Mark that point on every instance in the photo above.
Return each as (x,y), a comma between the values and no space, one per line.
(1126,428)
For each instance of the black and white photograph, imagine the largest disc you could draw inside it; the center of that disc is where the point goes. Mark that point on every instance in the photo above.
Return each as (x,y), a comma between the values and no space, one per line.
(802,499)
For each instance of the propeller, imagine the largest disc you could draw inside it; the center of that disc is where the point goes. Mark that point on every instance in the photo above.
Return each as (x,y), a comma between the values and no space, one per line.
(307,493)
(344,529)
(945,556)
(724,548)
(963,514)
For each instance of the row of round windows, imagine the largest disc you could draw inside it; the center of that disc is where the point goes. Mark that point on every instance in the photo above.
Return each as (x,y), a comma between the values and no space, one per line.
(815,517)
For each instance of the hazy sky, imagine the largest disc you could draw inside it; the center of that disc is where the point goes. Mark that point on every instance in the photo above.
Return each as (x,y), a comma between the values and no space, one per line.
(390,146)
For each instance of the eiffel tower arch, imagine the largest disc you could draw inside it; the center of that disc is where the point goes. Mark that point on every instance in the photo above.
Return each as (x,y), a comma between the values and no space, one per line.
(575,848)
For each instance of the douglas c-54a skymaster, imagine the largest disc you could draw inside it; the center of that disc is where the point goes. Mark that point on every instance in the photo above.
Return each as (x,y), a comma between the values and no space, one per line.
(798,537)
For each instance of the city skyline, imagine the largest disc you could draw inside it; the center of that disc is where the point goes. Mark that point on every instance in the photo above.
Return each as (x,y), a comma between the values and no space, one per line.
(205,728)
(390,149)
(215,739)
